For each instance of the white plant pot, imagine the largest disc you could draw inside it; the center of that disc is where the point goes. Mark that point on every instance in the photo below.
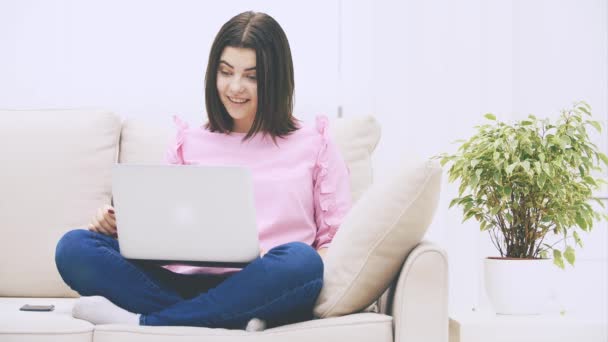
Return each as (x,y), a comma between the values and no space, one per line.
(519,286)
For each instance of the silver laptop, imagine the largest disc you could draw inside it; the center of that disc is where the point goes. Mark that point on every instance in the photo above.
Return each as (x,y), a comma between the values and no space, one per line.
(199,215)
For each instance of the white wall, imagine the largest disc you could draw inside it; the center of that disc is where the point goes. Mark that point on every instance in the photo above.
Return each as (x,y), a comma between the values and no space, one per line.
(147,58)
(437,66)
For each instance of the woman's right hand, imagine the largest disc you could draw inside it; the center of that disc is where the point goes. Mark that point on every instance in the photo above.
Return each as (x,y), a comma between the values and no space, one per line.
(105,221)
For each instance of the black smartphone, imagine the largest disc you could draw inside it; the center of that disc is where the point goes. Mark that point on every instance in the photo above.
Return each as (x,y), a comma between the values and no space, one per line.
(28,307)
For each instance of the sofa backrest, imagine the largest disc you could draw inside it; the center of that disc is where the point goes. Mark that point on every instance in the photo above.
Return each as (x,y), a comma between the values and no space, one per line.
(56,172)
(55,168)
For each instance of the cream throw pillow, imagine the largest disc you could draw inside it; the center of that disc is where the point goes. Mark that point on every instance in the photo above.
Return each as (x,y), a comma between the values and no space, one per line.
(372,243)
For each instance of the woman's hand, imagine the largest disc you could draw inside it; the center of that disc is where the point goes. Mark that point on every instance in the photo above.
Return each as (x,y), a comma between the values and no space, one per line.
(104,221)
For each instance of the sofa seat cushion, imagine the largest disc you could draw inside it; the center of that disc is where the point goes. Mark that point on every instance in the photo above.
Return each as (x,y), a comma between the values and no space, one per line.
(352,328)
(57,325)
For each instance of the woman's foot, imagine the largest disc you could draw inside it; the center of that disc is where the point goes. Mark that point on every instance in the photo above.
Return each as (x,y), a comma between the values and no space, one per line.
(99,310)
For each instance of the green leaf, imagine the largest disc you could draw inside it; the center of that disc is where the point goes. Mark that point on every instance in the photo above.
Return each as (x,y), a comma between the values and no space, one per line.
(526,123)
(581,169)
(497,178)
(537,168)
(585,104)
(569,254)
(468,215)
(474,162)
(474,181)
(581,222)
(584,110)
(603,157)
(598,201)
(490,116)
(589,180)
(453,202)
(577,239)
(526,165)
(595,124)
(557,259)
(540,180)
(510,168)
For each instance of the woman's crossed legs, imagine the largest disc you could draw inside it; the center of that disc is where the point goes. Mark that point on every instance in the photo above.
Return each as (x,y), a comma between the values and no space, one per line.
(279,288)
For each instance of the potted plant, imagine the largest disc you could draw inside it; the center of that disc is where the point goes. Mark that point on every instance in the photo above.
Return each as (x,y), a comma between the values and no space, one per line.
(527,183)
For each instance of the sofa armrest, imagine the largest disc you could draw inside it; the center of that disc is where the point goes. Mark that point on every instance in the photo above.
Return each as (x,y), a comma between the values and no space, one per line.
(418,300)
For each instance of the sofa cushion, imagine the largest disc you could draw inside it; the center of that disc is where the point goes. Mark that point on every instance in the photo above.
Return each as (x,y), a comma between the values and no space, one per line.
(57,325)
(143,142)
(353,328)
(56,169)
(357,138)
(376,236)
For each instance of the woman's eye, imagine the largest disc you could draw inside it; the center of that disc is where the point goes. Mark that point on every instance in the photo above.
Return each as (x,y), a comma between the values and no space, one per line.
(252,77)
(225,73)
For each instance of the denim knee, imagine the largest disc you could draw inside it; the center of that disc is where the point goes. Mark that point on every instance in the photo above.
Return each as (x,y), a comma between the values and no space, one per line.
(305,260)
(71,254)
(69,245)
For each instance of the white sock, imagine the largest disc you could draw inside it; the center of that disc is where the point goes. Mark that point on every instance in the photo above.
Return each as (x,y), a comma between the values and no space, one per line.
(99,310)
(256,324)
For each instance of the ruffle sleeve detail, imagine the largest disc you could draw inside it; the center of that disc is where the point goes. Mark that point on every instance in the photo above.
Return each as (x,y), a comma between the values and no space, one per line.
(332,187)
(175,154)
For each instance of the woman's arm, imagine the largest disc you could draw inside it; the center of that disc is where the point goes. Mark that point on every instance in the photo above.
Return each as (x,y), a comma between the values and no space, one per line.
(331,192)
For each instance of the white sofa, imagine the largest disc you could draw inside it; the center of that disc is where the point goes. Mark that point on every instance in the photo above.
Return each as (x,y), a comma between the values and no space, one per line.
(55,172)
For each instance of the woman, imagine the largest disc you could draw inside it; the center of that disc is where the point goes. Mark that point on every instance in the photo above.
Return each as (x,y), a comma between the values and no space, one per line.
(302,193)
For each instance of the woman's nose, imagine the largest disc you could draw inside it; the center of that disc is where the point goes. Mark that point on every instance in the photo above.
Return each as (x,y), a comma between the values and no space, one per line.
(236,85)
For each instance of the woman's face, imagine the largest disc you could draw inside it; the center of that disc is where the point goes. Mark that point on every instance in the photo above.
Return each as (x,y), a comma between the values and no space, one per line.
(237,86)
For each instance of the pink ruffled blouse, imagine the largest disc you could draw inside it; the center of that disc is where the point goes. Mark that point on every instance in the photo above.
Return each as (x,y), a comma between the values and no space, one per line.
(301,187)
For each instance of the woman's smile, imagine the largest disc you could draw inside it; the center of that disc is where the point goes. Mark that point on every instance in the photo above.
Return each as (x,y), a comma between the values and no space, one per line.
(237,100)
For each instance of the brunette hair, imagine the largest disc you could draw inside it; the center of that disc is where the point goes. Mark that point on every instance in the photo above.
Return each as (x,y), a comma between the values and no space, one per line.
(274,73)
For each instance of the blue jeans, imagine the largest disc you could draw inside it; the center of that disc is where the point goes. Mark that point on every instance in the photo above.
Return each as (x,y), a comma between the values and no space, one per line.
(280,288)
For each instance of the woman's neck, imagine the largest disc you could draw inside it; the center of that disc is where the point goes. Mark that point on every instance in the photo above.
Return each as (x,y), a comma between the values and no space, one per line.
(242,126)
